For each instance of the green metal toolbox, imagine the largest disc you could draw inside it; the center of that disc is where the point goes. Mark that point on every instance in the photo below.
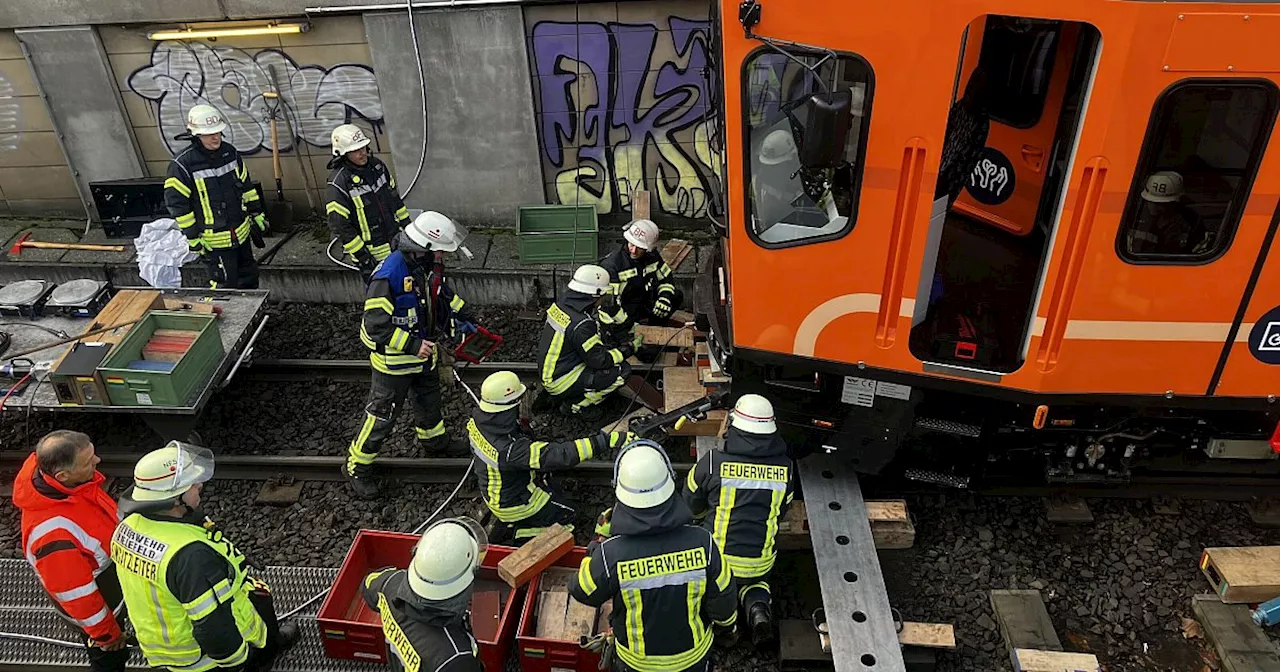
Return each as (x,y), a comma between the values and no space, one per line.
(176,387)
(546,234)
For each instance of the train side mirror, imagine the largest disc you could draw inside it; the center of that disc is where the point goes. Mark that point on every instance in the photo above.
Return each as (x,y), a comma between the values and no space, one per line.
(823,127)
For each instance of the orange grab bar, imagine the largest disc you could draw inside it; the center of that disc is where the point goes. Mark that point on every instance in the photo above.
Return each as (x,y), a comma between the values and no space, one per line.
(1074,247)
(904,215)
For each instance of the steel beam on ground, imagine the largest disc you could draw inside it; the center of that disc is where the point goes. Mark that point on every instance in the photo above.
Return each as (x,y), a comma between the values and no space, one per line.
(863,636)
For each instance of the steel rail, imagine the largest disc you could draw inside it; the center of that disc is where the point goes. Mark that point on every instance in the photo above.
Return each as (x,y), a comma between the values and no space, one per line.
(357,370)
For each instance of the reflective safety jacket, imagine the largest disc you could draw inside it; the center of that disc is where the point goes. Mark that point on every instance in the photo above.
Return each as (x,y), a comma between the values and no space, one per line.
(65,536)
(635,284)
(211,197)
(420,637)
(668,582)
(570,344)
(747,487)
(365,210)
(512,461)
(404,305)
(187,589)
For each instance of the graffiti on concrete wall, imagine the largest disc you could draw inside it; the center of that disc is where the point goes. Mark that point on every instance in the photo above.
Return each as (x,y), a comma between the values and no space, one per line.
(627,106)
(10,116)
(317,98)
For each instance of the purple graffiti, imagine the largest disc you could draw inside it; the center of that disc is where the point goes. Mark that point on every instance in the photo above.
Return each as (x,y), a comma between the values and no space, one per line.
(626,106)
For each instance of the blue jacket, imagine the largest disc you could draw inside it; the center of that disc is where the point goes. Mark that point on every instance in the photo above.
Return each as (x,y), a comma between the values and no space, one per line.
(406,304)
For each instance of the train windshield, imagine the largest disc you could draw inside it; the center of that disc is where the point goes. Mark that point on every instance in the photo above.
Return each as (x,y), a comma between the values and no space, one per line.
(789,202)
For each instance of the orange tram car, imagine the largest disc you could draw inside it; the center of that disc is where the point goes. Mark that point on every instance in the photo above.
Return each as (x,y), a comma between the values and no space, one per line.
(963,236)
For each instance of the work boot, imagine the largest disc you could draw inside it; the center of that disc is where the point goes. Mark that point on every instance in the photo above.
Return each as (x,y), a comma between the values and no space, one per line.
(362,481)
(587,413)
(289,635)
(761,623)
(446,446)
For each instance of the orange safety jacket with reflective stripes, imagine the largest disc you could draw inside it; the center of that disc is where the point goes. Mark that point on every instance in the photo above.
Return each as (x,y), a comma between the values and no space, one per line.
(66,537)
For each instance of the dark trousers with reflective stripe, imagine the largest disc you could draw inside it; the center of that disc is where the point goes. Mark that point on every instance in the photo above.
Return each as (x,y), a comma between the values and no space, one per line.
(592,387)
(386,396)
(753,590)
(233,267)
(704,665)
(560,509)
(261,660)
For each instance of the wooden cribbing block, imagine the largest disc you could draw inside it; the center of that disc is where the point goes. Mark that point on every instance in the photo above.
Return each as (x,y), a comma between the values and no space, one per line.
(927,635)
(1031,660)
(579,620)
(639,205)
(552,606)
(682,316)
(1241,645)
(126,305)
(176,304)
(680,385)
(666,336)
(664,360)
(891,527)
(602,619)
(709,377)
(675,252)
(540,553)
(1243,573)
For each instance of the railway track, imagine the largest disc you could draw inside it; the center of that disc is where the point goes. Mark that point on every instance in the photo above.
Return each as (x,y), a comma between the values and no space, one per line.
(357,370)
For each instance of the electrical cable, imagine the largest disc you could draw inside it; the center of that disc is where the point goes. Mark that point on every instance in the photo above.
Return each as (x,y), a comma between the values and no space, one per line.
(417,530)
(632,403)
(16,386)
(56,332)
(422,81)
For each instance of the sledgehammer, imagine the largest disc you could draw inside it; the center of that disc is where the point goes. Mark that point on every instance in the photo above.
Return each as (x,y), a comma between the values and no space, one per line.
(22,242)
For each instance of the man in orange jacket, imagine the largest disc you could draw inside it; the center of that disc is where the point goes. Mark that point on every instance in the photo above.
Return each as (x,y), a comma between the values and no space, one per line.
(67,522)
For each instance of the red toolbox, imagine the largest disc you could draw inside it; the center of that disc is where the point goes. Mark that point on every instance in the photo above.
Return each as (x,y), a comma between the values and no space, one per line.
(350,630)
(538,654)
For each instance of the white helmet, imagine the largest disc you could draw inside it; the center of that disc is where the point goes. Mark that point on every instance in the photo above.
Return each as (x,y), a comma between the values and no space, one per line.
(446,558)
(501,391)
(205,120)
(1163,187)
(642,475)
(778,147)
(754,414)
(348,138)
(590,279)
(642,233)
(433,231)
(171,471)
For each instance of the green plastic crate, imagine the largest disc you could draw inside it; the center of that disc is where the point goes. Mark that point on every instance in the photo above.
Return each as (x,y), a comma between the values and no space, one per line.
(545,234)
(132,387)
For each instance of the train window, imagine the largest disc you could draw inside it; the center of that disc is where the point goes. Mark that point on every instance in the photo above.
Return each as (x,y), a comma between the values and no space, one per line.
(790,204)
(1202,150)
(1017,55)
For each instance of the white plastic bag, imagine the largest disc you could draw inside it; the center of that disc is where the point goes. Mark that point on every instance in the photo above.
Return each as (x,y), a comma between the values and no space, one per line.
(162,250)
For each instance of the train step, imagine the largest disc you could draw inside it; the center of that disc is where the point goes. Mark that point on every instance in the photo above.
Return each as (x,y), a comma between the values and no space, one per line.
(949,427)
(937,478)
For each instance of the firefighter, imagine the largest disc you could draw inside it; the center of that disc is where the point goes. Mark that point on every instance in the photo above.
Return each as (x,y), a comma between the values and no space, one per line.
(365,210)
(667,578)
(640,282)
(209,193)
(425,608)
(191,599)
(578,370)
(1165,225)
(515,475)
(409,309)
(743,492)
(67,521)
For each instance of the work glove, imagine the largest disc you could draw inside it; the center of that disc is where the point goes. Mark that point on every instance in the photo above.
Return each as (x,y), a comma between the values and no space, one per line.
(620,439)
(662,308)
(260,222)
(604,523)
(255,234)
(196,247)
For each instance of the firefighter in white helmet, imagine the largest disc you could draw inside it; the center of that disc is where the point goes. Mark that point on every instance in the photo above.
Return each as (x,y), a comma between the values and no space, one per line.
(578,369)
(191,598)
(365,210)
(1164,224)
(209,193)
(425,608)
(676,582)
(409,311)
(515,471)
(641,284)
(741,493)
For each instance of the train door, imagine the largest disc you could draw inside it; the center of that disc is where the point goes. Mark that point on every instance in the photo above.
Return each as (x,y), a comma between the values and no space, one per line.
(978,282)
(1025,64)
